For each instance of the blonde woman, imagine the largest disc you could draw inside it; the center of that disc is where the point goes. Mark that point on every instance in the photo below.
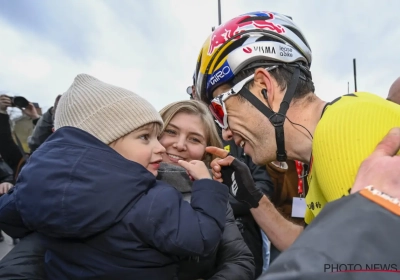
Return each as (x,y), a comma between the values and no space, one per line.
(188,129)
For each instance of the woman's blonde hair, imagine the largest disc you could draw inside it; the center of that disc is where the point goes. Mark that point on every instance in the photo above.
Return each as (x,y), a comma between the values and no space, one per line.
(198,108)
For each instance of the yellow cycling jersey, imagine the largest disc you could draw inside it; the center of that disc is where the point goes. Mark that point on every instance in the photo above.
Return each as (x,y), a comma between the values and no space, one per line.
(348,132)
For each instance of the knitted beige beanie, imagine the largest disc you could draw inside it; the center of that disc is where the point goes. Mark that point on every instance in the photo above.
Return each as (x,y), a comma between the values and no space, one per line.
(105,111)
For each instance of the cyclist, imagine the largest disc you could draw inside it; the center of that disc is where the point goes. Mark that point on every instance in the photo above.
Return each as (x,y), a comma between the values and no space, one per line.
(254,72)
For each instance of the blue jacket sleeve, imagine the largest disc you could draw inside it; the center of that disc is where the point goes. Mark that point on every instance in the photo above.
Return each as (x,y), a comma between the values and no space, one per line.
(179,228)
(10,219)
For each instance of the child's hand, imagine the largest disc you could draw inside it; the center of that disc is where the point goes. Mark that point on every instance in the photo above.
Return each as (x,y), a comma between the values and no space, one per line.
(196,169)
(5,187)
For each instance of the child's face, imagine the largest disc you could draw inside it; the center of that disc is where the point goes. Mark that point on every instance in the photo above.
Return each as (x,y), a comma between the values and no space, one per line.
(141,146)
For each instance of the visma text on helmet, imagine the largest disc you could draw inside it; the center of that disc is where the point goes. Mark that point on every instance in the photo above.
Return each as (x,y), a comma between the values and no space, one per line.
(264,49)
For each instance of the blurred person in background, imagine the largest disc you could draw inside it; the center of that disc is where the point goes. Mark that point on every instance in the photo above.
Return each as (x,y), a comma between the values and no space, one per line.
(9,150)
(43,128)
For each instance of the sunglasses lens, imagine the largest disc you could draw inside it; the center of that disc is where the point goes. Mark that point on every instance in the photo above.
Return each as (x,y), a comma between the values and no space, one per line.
(218,112)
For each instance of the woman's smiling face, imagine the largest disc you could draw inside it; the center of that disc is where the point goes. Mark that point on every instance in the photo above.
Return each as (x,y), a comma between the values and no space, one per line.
(184,138)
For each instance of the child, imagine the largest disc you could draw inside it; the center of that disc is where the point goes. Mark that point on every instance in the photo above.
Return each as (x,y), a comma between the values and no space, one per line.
(91,191)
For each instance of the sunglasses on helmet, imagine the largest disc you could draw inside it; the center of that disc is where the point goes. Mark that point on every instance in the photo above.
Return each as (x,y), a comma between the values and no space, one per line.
(217,106)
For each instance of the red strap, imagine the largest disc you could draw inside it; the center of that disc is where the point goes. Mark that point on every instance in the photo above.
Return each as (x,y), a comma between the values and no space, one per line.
(299,169)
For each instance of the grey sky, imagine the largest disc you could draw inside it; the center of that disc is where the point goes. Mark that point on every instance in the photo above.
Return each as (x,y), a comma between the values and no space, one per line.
(63,23)
(151,46)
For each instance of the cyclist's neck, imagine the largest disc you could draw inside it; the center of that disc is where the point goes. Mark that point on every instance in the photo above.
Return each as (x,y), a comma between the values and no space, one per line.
(306,114)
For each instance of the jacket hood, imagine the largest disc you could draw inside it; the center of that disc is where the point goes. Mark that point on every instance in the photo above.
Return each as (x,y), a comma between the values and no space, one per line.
(76,186)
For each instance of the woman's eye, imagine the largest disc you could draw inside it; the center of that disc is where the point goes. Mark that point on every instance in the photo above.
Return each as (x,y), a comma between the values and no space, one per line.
(170,131)
(195,140)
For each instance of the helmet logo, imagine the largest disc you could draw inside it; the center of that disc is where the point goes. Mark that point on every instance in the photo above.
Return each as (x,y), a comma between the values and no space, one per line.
(219,75)
(239,24)
(247,50)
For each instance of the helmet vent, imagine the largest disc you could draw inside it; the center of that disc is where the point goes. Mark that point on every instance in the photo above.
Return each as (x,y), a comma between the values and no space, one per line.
(253,19)
(295,31)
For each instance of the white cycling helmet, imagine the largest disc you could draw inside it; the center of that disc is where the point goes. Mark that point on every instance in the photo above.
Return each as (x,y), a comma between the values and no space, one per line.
(244,39)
